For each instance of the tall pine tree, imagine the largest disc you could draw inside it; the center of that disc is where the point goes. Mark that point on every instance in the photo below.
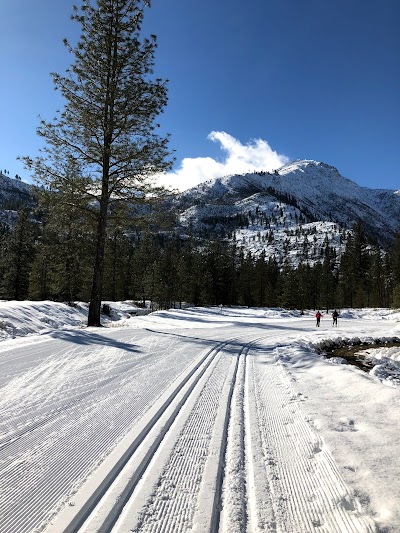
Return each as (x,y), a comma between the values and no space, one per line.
(102,149)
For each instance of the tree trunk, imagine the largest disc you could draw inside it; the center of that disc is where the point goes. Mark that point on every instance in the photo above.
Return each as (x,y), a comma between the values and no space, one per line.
(97,284)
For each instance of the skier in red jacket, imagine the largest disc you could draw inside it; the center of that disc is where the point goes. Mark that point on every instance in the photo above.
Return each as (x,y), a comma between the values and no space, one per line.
(318,317)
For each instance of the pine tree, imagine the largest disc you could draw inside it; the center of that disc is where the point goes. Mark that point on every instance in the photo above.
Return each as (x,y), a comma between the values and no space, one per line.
(117,267)
(395,261)
(4,236)
(246,279)
(102,149)
(144,260)
(377,279)
(289,285)
(19,257)
(219,273)
(190,273)
(328,278)
(260,273)
(353,269)
(61,269)
(272,282)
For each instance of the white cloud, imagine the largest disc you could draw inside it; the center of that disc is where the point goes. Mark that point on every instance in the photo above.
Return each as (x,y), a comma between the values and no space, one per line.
(239,159)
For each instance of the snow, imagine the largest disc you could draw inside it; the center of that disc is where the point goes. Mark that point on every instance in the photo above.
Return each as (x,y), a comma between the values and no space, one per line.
(19,318)
(186,420)
(318,190)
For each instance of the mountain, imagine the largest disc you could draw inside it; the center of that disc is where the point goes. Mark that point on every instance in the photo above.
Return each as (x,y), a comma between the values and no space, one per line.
(294,211)
(14,192)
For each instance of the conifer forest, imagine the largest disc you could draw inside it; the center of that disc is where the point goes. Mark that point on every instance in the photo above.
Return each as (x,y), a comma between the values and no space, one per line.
(49,257)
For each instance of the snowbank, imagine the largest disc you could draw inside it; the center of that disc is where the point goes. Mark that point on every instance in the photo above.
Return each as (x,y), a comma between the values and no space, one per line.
(21,318)
(18,319)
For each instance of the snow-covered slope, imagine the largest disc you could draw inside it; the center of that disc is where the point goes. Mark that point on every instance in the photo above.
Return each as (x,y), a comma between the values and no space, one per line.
(14,193)
(285,203)
(13,189)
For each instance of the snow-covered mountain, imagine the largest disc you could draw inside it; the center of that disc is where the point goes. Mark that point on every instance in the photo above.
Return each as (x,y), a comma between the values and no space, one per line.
(295,210)
(292,213)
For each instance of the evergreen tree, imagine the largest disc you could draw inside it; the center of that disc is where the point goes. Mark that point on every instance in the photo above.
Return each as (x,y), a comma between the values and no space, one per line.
(395,261)
(18,258)
(377,280)
(61,269)
(308,286)
(328,279)
(4,236)
(260,274)
(272,282)
(118,264)
(190,273)
(246,280)
(219,277)
(102,149)
(353,269)
(148,278)
(289,287)
(166,287)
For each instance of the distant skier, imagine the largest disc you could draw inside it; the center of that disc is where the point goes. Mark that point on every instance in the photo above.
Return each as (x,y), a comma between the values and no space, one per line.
(335,315)
(318,317)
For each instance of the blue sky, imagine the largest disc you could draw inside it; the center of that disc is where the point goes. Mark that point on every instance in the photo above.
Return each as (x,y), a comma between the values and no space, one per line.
(251,84)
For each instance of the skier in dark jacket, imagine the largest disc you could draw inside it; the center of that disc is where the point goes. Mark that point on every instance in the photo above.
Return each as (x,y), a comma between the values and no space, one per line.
(318,317)
(335,315)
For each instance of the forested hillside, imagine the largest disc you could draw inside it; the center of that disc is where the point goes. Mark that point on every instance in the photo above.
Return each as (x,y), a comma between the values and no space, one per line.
(273,254)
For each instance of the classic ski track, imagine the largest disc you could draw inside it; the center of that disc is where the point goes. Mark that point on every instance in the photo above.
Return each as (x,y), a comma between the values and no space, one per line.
(22,512)
(191,462)
(166,496)
(260,513)
(308,492)
(233,513)
(245,502)
(93,502)
(186,456)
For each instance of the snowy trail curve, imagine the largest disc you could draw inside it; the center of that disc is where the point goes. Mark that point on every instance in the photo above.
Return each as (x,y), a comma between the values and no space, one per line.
(52,442)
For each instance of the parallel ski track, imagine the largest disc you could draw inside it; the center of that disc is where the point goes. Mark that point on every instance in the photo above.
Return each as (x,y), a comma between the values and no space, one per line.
(24,507)
(232,498)
(192,475)
(236,501)
(97,509)
(172,484)
(206,432)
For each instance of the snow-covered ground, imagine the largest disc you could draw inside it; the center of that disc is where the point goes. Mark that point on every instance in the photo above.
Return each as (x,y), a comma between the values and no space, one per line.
(202,419)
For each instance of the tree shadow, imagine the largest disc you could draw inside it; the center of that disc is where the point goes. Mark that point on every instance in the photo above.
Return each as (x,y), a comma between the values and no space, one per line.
(87,338)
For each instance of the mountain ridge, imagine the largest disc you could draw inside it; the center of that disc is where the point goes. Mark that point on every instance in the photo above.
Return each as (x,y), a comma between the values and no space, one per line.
(292,213)
(317,187)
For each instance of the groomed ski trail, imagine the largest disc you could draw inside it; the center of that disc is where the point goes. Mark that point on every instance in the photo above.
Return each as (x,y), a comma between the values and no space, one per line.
(147,447)
(195,468)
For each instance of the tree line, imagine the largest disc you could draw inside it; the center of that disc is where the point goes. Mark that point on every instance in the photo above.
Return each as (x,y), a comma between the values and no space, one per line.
(51,258)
